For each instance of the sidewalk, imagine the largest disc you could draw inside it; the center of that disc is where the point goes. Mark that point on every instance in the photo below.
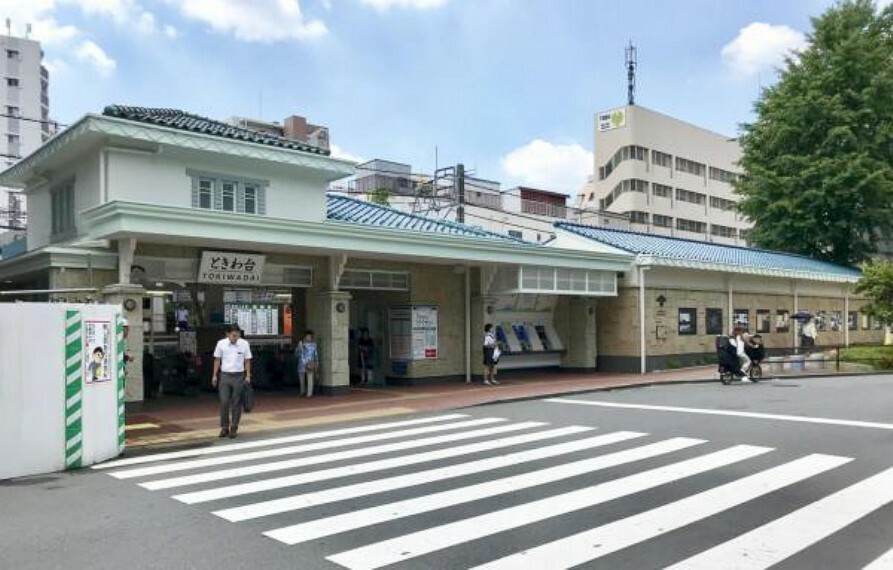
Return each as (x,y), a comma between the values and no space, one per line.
(184,420)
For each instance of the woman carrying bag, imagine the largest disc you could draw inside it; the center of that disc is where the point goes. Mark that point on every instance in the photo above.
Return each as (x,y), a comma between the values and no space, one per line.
(307,356)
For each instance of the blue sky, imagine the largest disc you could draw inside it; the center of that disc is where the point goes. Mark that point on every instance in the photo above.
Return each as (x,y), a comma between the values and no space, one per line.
(509,87)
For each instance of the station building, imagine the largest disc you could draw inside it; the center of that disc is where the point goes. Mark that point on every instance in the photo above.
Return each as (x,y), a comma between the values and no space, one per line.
(158,209)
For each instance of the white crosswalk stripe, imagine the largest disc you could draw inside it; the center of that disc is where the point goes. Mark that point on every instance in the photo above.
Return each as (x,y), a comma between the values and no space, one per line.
(538,474)
(292,450)
(331,457)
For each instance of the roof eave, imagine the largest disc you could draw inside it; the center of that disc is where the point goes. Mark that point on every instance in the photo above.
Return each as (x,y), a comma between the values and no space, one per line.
(653,260)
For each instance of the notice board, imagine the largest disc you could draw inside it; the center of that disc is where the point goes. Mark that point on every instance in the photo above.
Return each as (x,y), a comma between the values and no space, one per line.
(414,330)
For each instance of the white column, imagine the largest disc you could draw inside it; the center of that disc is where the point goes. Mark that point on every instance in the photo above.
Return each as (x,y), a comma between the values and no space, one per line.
(845,322)
(643,352)
(731,294)
(467,324)
(796,310)
(126,249)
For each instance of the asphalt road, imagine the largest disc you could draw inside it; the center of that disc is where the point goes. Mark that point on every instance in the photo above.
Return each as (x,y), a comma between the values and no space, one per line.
(789,474)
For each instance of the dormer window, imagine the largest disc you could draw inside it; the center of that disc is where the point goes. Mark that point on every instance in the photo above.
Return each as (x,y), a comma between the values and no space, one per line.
(226,193)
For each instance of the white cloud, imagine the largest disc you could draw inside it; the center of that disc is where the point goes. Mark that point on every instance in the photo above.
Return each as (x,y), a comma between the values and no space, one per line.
(171,32)
(338,152)
(383,5)
(548,166)
(146,23)
(37,13)
(760,46)
(89,52)
(264,21)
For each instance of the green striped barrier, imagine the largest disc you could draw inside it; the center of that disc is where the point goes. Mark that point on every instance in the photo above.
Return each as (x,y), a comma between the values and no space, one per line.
(74,434)
(119,353)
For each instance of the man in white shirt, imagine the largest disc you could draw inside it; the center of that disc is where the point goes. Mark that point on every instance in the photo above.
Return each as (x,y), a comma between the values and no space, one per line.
(232,372)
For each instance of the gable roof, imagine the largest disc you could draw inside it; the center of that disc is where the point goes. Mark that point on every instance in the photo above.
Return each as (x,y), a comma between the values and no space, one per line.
(181,120)
(662,250)
(345,209)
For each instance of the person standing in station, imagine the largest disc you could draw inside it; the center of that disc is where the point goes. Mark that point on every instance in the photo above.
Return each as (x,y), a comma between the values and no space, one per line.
(182,317)
(490,345)
(366,354)
(232,372)
(307,355)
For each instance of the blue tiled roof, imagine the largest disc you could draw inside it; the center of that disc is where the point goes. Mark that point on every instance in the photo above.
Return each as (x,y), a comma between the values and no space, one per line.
(345,209)
(693,251)
(181,120)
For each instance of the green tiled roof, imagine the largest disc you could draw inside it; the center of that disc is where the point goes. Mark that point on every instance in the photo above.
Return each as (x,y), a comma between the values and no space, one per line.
(344,209)
(181,120)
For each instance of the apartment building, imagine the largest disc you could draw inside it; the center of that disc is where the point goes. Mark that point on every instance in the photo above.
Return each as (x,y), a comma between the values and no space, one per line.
(24,123)
(670,177)
(521,212)
(294,127)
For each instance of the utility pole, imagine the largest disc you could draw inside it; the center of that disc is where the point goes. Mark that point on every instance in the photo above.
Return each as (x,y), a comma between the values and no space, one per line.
(460,193)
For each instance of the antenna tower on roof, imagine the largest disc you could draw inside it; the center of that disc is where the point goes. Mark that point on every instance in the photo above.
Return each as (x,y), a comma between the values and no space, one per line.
(631,64)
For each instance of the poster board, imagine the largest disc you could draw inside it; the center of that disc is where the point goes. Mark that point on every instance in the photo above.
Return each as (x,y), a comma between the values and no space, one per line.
(414,332)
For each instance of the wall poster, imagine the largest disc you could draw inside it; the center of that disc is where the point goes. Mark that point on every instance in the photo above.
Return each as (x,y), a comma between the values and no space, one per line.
(713,321)
(414,333)
(98,347)
(688,321)
(821,321)
(764,321)
(853,320)
(836,321)
(741,318)
(782,321)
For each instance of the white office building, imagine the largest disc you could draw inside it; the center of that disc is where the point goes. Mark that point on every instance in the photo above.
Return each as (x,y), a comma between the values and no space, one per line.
(670,177)
(25,120)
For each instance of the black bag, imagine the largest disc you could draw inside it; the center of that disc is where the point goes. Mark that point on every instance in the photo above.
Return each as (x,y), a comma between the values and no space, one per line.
(248,398)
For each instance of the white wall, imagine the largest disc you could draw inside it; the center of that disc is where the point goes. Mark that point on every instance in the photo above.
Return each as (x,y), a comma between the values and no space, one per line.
(32,392)
(162,179)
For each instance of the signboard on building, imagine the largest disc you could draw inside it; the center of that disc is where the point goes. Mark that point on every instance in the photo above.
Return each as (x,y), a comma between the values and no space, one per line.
(610,120)
(227,268)
(414,332)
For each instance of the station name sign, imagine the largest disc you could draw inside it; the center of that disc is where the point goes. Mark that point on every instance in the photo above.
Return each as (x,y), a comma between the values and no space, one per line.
(231,268)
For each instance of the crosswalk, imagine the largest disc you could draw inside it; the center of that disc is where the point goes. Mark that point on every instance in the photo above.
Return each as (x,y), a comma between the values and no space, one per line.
(458,488)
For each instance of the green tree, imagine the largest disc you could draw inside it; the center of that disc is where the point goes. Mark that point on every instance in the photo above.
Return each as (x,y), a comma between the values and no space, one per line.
(877,285)
(818,159)
(380,196)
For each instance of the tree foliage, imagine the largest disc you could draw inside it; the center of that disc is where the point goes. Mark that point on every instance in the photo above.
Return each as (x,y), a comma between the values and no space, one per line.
(818,159)
(877,285)
(380,196)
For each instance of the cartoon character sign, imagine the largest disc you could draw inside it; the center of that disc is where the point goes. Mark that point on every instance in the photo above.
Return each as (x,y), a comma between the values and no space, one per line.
(97,343)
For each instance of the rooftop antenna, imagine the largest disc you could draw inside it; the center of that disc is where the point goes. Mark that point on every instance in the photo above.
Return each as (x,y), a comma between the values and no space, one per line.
(8,27)
(27,31)
(631,64)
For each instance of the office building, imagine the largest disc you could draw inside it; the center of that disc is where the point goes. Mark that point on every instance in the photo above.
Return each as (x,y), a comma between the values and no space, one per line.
(670,177)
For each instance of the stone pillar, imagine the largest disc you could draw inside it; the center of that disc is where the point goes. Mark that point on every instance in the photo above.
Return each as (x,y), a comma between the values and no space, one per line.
(580,344)
(130,297)
(332,324)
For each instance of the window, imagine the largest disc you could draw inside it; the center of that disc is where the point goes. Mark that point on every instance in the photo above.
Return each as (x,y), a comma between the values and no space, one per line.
(205,193)
(691,226)
(722,204)
(12,82)
(662,221)
(638,217)
(661,158)
(375,279)
(12,139)
(12,111)
(631,152)
(62,209)
(722,175)
(661,190)
(692,197)
(722,231)
(250,199)
(12,54)
(228,195)
(690,166)
(516,234)
(764,321)
(743,234)
(628,185)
